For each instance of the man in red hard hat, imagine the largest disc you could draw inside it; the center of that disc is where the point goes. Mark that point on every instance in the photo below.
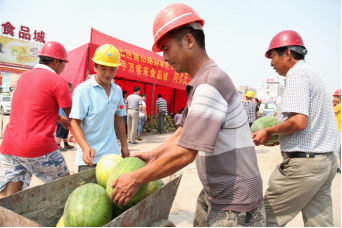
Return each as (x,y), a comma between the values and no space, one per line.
(214,130)
(29,145)
(307,135)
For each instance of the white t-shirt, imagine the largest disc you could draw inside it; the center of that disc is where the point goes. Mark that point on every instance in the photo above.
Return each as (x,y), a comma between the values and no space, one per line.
(143,105)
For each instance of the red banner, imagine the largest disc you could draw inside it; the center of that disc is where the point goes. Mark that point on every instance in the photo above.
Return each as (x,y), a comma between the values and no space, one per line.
(139,64)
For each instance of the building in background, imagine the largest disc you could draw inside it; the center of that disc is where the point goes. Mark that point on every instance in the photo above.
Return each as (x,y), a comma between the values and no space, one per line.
(19,48)
(269,91)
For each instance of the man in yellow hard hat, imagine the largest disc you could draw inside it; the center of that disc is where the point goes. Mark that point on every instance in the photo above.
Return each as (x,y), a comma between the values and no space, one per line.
(251,108)
(97,111)
(214,131)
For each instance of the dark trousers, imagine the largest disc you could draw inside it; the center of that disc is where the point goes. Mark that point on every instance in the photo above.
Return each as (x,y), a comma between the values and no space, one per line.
(161,116)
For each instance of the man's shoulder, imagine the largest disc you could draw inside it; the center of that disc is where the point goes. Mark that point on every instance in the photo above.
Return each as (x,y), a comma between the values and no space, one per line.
(220,80)
(83,86)
(302,69)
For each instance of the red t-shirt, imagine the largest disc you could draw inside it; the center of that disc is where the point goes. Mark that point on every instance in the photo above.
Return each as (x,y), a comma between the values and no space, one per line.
(36,100)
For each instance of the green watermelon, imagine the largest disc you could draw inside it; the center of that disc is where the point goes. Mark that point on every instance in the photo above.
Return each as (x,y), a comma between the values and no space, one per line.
(127,165)
(152,186)
(118,210)
(264,122)
(88,206)
(104,167)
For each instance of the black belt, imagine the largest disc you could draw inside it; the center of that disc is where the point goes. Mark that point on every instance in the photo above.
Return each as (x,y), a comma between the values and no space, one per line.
(302,154)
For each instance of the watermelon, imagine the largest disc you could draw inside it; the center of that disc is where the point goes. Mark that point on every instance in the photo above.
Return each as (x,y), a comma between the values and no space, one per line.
(264,122)
(104,167)
(118,210)
(152,186)
(60,223)
(127,165)
(88,205)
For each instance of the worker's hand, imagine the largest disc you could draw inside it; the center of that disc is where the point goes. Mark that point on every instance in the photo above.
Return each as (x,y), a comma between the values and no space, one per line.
(88,155)
(145,118)
(261,137)
(147,157)
(125,187)
(125,152)
(64,121)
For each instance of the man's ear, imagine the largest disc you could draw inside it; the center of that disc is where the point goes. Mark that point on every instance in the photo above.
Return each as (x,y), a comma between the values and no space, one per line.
(288,53)
(189,40)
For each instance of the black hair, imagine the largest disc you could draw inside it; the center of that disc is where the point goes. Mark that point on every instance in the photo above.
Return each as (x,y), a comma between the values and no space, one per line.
(46,60)
(136,88)
(179,33)
(123,93)
(296,55)
(143,95)
(159,95)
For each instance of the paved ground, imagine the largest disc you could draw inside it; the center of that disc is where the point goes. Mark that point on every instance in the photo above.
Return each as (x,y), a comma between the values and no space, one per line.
(183,208)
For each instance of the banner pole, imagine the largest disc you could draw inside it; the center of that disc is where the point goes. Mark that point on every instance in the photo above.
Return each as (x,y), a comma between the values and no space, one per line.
(152,106)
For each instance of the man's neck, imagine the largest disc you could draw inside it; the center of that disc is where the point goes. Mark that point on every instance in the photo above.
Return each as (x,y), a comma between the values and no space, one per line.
(197,63)
(104,85)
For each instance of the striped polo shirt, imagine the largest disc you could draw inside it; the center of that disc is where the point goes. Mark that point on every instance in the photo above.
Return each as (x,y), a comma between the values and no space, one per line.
(215,124)
(162,105)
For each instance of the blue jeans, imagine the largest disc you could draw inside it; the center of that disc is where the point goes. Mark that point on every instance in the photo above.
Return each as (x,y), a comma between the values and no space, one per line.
(141,124)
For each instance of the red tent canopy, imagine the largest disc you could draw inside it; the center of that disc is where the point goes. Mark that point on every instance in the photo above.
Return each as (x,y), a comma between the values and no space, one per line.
(139,67)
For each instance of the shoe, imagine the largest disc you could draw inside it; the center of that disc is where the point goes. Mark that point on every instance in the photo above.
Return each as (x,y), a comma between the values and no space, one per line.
(139,139)
(69,147)
(72,139)
(134,142)
(338,170)
(62,149)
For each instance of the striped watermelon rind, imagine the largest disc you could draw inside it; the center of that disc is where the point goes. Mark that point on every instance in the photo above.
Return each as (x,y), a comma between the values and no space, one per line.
(104,167)
(264,122)
(152,187)
(127,165)
(88,206)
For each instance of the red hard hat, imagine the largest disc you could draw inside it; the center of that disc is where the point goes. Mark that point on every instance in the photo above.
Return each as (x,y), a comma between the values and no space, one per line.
(287,38)
(337,93)
(171,17)
(55,50)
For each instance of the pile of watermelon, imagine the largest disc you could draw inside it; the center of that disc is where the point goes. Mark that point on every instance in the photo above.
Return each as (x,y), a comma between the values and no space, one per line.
(264,122)
(168,123)
(90,206)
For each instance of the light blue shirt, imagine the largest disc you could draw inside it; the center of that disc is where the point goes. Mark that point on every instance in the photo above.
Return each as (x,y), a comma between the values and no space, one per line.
(61,112)
(97,112)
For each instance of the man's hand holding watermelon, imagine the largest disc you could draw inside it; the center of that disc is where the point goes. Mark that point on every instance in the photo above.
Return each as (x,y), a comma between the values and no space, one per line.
(296,122)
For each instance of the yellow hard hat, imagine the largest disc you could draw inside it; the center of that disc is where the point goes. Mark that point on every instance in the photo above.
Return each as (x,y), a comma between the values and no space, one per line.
(107,55)
(250,94)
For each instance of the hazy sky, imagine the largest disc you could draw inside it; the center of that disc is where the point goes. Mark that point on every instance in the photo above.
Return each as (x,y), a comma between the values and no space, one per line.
(238,32)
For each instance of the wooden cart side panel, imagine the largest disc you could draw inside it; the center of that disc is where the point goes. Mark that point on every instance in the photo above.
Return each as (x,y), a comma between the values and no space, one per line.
(44,204)
(10,219)
(153,208)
